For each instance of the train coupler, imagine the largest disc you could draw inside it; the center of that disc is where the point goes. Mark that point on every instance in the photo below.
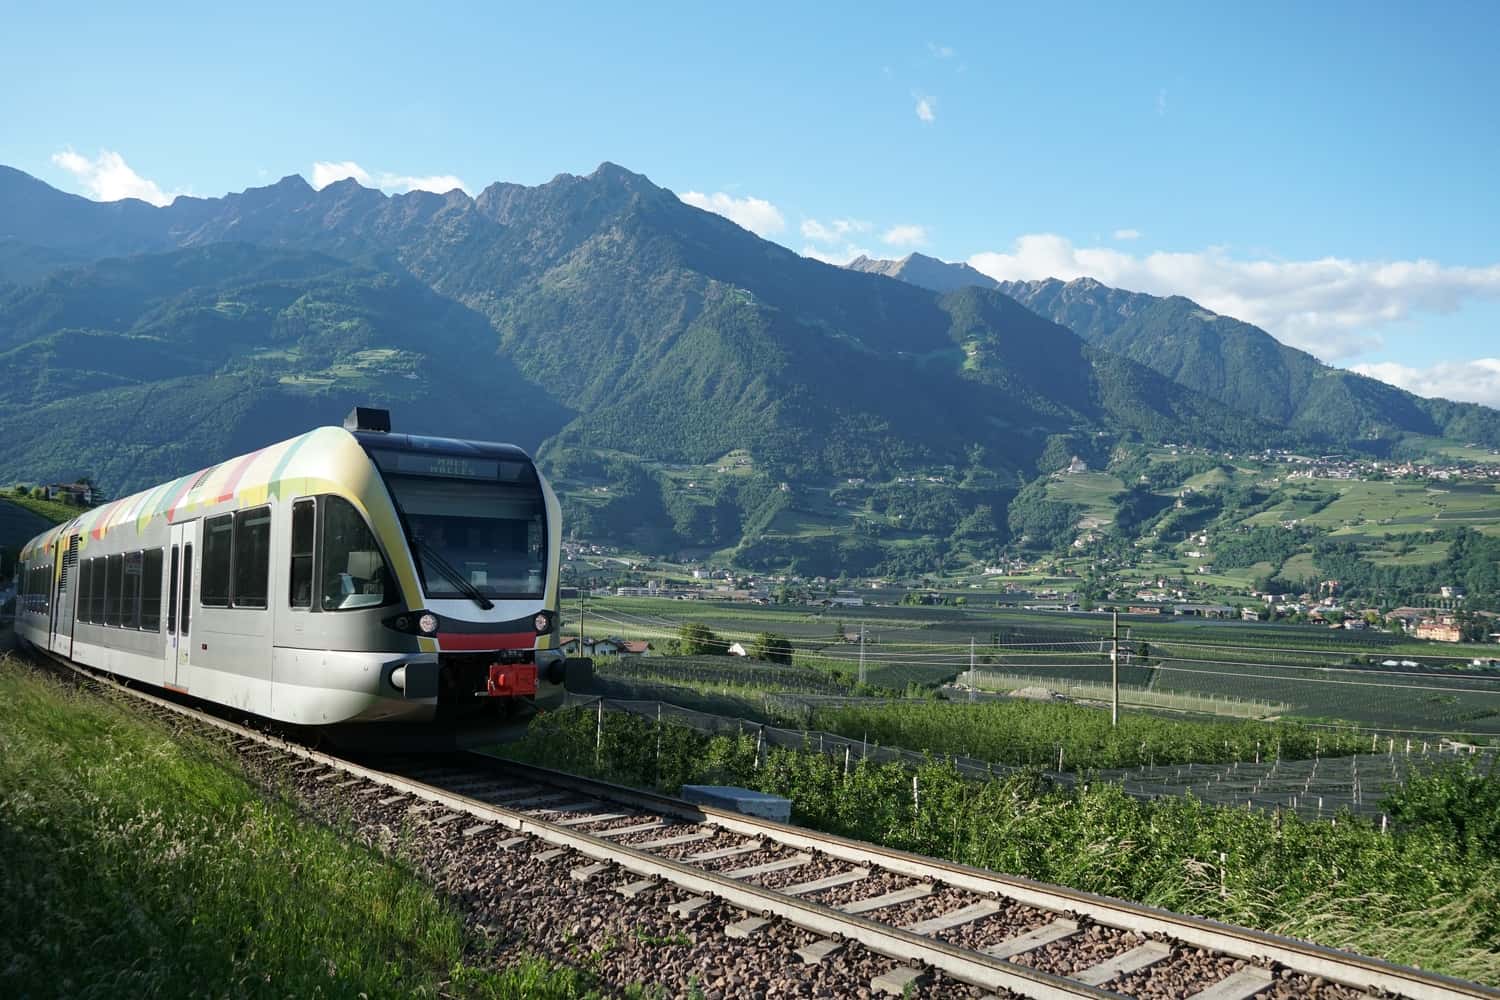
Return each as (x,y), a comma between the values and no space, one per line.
(510,680)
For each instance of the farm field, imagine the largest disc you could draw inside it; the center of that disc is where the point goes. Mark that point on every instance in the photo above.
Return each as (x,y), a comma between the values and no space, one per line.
(1308,673)
(1036,734)
(1090,490)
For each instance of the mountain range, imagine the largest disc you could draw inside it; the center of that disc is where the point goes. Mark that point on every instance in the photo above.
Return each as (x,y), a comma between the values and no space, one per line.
(621,333)
(1227,359)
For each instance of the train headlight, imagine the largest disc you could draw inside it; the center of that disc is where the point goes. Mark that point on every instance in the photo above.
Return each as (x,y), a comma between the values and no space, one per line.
(428,623)
(543,623)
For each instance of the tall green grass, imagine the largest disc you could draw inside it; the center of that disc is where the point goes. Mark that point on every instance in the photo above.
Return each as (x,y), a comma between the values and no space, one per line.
(139,862)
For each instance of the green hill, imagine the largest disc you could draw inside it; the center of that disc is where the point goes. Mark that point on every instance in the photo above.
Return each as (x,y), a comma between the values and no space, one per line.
(629,337)
(1228,360)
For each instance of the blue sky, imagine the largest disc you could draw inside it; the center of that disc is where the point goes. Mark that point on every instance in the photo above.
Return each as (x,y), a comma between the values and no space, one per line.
(1328,173)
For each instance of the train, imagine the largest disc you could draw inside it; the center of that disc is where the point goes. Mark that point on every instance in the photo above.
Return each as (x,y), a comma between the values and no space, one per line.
(387,590)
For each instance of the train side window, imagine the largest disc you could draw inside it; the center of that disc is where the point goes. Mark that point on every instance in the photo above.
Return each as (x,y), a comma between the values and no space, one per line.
(82,610)
(218,561)
(354,572)
(172,592)
(151,590)
(252,557)
(130,595)
(100,566)
(114,586)
(299,590)
(187,586)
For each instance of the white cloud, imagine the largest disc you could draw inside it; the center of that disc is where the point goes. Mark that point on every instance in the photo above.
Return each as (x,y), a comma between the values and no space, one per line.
(927,108)
(326,172)
(837,255)
(1330,307)
(1476,381)
(109,177)
(436,183)
(833,232)
(941,51)
(905,236)
(755,214)
(1127,234)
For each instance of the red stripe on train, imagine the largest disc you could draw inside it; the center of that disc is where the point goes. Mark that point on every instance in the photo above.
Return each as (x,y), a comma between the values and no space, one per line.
(485,641)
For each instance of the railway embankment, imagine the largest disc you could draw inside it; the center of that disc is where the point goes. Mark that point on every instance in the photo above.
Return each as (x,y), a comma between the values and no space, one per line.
(139,858)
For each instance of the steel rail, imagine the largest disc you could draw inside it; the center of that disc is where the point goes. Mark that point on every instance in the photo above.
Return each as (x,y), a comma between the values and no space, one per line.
(1349,968)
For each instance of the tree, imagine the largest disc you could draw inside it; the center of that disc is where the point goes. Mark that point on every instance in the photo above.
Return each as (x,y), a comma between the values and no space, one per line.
(772,648)
(697,639)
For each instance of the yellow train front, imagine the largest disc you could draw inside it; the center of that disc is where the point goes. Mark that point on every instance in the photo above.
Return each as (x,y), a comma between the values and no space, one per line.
(391,589)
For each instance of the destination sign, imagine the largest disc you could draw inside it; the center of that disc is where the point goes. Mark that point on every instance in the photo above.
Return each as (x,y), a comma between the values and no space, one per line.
(444,466)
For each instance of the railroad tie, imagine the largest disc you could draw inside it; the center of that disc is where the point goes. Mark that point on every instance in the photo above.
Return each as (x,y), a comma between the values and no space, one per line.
(688,907)
(571,807)
(795,861)
(511,842)
(819,950)
(748,847)
(449,818)
(899,980)
(391,799)
(745,928)
(817,885)
(1034,938)
(556,852)
(536,800)
(587,871)
(685,838)
(591,818)
(954,918)
(477,829)
(631,890)
(1122,965)
(1238,985)
(625,831)
(906,895)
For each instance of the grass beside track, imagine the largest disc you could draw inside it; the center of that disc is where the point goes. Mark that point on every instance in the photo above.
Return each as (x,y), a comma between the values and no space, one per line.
(138,861)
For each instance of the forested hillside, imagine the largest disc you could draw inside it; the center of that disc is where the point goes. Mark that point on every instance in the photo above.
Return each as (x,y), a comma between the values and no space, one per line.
(598,319)
(1226,359)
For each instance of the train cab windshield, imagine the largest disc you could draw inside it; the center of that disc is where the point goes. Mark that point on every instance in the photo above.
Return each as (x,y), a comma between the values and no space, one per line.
(478,525)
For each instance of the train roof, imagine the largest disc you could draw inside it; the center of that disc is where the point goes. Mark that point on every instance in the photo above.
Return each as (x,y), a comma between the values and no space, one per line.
(322,460)
(418,443)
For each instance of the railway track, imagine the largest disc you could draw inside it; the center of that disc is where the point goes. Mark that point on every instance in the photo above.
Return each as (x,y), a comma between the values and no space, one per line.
(941,923)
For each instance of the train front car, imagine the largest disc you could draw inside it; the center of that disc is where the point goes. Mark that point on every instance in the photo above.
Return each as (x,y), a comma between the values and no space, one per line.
(481,533)
(391,591)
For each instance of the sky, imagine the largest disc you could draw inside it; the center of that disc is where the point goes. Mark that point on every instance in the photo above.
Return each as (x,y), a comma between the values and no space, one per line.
(1329,172)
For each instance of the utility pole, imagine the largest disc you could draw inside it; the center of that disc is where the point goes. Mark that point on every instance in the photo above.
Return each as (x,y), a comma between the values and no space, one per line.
(861,653)
(581,586)
(971,668)
(1114,672)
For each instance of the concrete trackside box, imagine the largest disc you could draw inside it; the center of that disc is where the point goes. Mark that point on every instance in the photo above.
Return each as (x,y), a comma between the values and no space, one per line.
(740,800)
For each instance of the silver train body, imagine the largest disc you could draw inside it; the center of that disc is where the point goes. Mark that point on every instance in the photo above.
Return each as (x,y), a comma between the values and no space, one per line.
(390,589)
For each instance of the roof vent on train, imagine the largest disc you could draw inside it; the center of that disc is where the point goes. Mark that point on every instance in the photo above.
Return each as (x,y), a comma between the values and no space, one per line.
(368,418)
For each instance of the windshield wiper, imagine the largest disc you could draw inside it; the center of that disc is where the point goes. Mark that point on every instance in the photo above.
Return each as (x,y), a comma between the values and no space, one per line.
(431,556)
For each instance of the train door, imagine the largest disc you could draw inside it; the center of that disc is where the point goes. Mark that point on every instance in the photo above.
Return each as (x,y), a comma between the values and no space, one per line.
(61,640)
(179,569)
